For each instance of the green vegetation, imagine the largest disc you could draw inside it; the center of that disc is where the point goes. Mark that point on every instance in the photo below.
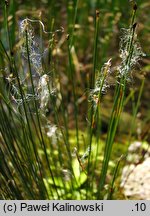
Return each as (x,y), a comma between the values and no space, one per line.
(68,110)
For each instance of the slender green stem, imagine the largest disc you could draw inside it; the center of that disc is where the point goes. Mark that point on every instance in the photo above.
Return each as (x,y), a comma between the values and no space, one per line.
(136,110)
(92,82)
(37,115)
(73,24)
(91,109)
(72,80)
(110,195)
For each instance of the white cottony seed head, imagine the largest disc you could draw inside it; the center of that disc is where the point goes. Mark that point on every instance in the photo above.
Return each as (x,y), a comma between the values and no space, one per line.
(130,52)
(27,39)
(43,91)
(101,83)
(54,133)
(51,130)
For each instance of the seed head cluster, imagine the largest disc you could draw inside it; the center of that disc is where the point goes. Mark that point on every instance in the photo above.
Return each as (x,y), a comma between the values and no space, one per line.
(28,40)
(101,83)
(130,52)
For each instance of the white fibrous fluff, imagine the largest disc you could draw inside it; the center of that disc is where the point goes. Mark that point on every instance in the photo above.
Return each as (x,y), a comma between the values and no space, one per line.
(43,91)
(27,38)
(101,83)
(130,52)
(53,133)
(51,130)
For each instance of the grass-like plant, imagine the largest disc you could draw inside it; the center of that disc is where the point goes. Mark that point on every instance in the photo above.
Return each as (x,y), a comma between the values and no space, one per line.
(40,156)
